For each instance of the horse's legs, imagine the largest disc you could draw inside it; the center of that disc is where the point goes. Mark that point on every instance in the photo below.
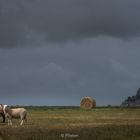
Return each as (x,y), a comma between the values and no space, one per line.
(25,119)
(21,123)
(9,122)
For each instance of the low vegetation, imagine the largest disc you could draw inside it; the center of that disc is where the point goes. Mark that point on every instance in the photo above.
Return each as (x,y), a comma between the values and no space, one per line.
(73,123)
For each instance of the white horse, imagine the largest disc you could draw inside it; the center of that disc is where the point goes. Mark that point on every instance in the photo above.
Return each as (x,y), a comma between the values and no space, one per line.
(15,113)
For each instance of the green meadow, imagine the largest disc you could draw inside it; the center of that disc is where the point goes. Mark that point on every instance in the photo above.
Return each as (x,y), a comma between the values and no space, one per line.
(73,123)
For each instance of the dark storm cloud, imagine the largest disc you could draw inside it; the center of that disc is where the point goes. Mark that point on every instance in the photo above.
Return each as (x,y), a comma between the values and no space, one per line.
(31,22)
(57,75)
(82,48)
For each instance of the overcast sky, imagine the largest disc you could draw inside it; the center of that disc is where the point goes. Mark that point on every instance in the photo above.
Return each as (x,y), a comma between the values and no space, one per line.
(54,52)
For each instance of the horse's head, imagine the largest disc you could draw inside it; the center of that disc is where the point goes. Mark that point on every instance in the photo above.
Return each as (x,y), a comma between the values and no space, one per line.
(2,112)
(1,108)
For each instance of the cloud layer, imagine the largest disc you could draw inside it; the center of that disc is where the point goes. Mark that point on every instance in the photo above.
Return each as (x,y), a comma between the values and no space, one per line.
(55,52)
(63,74)
(31,22)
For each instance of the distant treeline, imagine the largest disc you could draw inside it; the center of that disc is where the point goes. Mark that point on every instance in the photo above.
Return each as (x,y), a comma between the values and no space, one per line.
(64,107)
(132,101)
(47,107)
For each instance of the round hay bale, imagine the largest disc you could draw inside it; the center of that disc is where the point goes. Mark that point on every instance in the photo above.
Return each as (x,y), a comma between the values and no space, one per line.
(87,103)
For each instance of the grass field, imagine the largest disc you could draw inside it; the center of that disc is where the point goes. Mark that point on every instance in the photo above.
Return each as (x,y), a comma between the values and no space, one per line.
(63,123)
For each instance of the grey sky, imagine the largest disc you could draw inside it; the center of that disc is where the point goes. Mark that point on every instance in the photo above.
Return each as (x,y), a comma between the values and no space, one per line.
(55,52)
